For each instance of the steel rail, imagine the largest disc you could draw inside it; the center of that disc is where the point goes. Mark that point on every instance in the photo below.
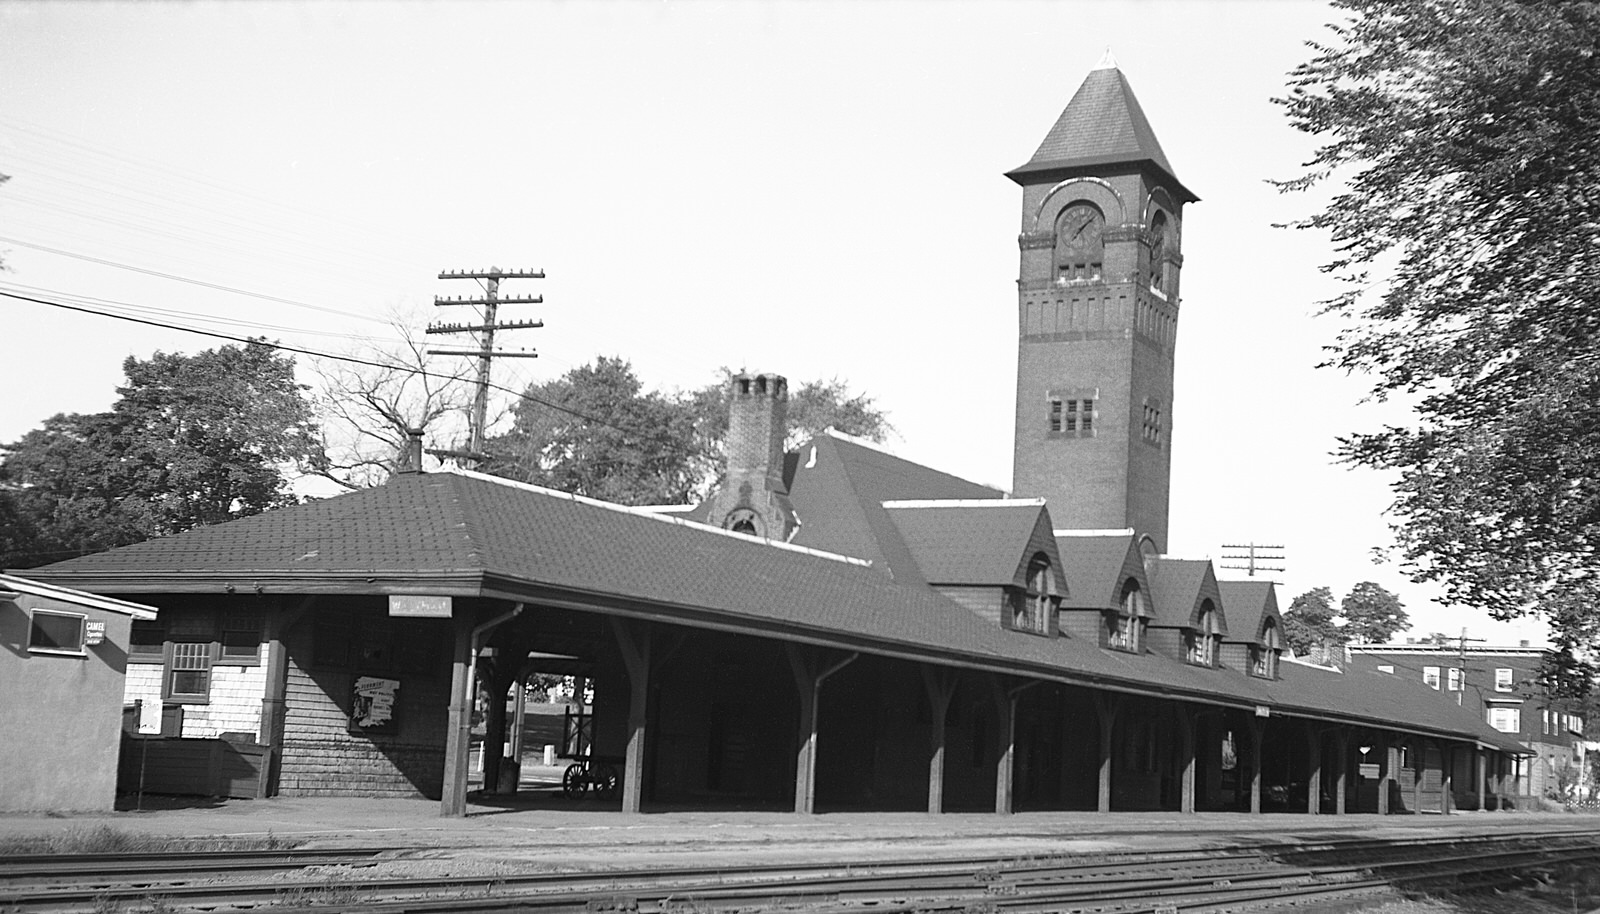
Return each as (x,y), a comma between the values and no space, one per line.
(993,879)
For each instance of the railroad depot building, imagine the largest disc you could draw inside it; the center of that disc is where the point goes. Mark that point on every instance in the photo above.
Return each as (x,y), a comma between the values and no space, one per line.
(835,627)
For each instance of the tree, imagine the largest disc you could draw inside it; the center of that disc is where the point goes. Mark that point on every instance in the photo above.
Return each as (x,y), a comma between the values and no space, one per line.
(595,431)
(367,408)
(1372,614)
(813,407)
(1461,134)
(192,440)
(1308,624)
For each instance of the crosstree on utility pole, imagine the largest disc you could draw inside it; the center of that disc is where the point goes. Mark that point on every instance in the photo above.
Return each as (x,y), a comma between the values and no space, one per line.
(484,333)
(1254,554)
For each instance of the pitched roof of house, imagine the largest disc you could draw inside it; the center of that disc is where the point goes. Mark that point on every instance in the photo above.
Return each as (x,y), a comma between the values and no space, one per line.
(1102,125)
(976,541)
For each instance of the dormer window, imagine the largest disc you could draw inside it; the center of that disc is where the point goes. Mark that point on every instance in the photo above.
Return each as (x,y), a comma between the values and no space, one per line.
(1264,656)
(1125,626)
(1033,609)
(1201,643)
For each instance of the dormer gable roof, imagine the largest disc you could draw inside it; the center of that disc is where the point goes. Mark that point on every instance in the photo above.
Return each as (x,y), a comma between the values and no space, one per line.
(1179,588)
(1251,603)
(1097,563)
(981,542)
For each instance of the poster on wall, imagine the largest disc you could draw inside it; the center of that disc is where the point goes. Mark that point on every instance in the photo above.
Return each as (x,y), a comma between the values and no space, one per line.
(372,708)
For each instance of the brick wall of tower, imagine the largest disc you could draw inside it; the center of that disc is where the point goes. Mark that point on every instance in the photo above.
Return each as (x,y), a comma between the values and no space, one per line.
(1110,338)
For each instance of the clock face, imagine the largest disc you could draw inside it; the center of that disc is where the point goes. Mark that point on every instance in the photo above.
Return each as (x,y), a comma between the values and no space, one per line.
(1080,229)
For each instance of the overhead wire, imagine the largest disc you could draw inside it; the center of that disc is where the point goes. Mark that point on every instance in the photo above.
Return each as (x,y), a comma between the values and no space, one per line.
(522,395)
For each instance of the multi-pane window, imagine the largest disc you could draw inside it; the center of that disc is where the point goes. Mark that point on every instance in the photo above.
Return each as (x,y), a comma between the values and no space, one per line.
(1071,416)
(1264,656)
(1202,643)
(1125,626)
(1506,720)
(56,633)
(1032,608)
(1502,680)
(1453,680)
(189,671)
(1430,677)
(1152,422)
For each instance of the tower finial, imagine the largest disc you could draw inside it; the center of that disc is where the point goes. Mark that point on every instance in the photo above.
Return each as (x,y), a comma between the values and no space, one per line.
(1107,62)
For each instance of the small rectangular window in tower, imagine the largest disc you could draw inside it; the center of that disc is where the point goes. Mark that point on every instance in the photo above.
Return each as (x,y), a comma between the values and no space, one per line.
(1055,414)
(1070,424)
(1087,422)
(1152,422)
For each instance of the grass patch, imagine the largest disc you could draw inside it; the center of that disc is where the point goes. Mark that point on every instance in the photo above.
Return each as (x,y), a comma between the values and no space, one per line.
(103,839)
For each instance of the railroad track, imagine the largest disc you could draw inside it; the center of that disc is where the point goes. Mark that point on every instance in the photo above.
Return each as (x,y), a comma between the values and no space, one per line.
(1301,875)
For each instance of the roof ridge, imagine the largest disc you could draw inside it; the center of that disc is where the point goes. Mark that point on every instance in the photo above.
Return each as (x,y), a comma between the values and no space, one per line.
(653,515)
(1110,531)
(1035,502)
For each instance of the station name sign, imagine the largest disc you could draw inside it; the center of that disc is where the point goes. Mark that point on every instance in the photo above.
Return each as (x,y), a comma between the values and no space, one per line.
(417,607)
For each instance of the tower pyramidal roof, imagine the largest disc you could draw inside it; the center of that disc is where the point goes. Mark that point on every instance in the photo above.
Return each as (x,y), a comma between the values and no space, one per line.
(1102,125)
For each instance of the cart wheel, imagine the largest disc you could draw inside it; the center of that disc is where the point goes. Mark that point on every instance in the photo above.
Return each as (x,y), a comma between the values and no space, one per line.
(606,781)
(575,782)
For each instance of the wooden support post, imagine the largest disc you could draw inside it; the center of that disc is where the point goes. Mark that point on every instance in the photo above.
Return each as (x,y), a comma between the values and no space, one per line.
(458,738)
(940,683)
(1419,767)
(1313,769)
(1005,706)
(1186,738)
(1480,766)
(1256,728)
(808,666)
(1447,757)
(633,641)
(1341,769)
(1386,760)
(274,704)
(1106,707)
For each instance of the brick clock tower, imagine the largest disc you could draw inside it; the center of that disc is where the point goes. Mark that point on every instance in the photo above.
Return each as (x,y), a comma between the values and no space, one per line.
(1097,296)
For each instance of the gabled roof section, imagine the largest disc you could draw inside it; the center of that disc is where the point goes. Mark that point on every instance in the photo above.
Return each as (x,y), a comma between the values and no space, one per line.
(838,489)
(1102,125)
(1251,604)
(1096,565)
(987,542)
(1179,587)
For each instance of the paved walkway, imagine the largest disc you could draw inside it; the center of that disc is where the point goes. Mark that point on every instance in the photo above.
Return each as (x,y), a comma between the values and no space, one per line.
(541,825)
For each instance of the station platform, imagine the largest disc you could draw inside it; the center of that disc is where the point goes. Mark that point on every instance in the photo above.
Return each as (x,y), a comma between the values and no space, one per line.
(540,826)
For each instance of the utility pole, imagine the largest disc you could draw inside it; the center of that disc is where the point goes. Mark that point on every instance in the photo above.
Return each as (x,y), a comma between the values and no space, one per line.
(1254,554)
(483,333)
(1462,654)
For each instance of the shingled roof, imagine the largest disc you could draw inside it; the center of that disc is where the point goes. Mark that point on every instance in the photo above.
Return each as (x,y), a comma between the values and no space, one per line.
(1097,564)
(1102,125)
(1178,587)
(986,542)
(1250,603)
(464,534)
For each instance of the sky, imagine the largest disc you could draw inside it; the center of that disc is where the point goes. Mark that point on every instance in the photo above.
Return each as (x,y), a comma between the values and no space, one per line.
(814,189)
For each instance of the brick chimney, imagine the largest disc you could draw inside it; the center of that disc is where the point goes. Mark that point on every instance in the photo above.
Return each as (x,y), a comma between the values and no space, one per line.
(753,498)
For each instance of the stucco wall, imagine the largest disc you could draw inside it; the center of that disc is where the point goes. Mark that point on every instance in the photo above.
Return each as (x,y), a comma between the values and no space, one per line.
(61,717)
